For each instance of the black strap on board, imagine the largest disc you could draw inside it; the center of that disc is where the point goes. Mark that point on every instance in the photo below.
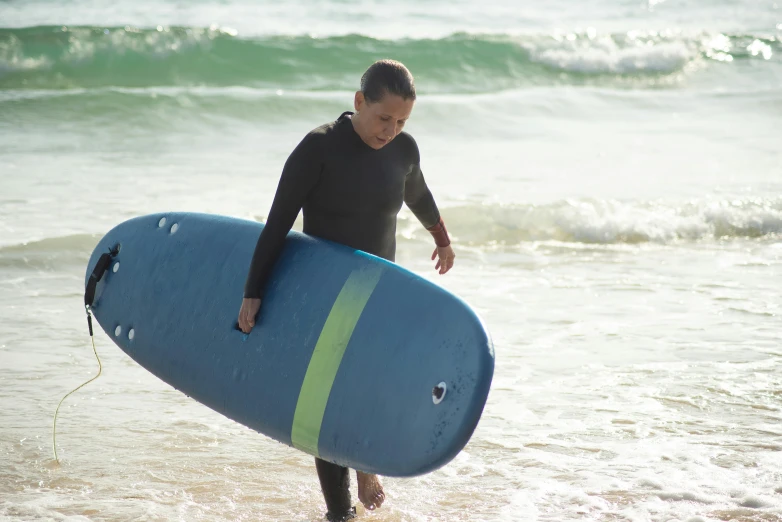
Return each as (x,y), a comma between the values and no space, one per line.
(97,274)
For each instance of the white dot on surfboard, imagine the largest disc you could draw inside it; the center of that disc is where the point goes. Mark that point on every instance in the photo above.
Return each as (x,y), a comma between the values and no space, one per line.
(131,334)
(438,393)
(116,267)
(161,223)
(117,331)
(174,228)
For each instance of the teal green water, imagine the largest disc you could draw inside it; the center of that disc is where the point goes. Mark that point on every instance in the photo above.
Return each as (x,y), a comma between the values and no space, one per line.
(67,57)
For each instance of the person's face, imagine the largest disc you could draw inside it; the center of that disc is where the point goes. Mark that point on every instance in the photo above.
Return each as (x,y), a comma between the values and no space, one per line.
(382,121)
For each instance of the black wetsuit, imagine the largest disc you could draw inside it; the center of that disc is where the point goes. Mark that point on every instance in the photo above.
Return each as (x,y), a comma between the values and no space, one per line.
(351,194)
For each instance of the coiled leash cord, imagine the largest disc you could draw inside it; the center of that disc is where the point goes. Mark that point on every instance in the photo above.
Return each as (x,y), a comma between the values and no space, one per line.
(89,296)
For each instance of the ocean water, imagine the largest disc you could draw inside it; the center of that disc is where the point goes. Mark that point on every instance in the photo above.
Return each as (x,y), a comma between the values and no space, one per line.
(610,172)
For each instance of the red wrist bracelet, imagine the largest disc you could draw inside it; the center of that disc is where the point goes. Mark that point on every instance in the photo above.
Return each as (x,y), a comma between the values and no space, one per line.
(440,234)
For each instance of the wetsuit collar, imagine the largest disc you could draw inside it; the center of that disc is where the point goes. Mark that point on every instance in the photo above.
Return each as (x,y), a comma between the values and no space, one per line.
(345,119)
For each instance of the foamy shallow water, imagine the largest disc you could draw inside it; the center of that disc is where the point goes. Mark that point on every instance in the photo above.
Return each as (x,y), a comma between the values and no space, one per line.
(630,386)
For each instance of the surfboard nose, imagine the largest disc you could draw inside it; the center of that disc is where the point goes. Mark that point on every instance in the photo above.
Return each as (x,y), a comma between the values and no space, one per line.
(413,382)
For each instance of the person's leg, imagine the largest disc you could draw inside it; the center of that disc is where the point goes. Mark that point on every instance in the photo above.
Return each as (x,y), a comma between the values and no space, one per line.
(335,484)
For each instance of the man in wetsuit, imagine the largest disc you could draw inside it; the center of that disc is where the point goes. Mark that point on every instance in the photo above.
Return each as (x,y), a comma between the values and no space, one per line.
(350,177)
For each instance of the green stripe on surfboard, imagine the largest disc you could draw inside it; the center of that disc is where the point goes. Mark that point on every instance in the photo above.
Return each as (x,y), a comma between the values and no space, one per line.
(327,356)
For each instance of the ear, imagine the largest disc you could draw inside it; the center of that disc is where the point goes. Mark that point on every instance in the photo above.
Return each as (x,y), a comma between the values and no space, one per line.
(358,101)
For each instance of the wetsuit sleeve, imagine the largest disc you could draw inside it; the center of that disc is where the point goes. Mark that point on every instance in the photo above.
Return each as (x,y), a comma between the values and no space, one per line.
(299,175)
(418,197)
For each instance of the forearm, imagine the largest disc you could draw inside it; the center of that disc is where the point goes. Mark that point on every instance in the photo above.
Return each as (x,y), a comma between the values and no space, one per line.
(419,199)
(440,234)
(267,249)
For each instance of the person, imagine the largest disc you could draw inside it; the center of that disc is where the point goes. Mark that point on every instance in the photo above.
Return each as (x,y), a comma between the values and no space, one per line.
(350,178)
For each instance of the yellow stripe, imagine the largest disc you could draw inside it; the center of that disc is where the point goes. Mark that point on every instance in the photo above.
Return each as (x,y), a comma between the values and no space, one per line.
(327,356)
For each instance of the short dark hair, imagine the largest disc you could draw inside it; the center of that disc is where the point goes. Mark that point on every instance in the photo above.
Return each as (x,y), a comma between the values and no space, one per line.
(387,77)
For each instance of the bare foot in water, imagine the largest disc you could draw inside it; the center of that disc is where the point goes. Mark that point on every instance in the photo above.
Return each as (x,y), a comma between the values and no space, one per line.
(370,490)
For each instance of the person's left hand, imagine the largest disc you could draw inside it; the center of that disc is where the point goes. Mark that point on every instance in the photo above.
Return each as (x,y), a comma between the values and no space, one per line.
(446,258)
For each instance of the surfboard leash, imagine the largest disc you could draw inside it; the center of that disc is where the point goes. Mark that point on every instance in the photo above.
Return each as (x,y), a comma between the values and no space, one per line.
(89,297)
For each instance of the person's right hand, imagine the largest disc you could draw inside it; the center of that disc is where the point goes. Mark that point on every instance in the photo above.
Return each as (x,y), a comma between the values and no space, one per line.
(248,313)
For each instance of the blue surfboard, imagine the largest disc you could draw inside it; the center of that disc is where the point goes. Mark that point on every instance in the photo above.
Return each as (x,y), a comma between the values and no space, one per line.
(353,359)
